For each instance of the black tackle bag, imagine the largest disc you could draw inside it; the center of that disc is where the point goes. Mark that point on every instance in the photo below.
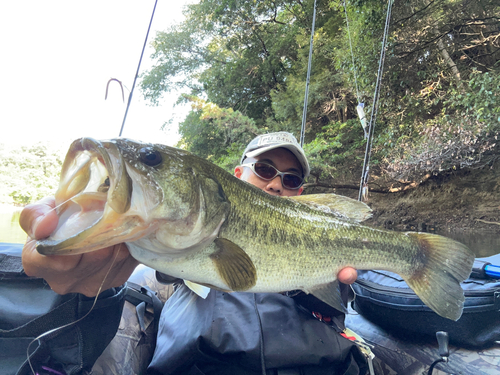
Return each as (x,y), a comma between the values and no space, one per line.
(386,300)
(248,334)
(29,308)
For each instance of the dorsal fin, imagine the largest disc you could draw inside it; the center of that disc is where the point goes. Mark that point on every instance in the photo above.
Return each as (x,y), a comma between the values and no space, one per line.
(344,207)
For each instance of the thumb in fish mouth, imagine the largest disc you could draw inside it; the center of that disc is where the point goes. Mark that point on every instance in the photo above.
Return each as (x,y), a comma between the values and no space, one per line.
(39,220)
(107,230)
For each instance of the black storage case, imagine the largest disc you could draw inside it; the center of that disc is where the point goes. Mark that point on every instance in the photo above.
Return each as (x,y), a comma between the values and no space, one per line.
(386,300)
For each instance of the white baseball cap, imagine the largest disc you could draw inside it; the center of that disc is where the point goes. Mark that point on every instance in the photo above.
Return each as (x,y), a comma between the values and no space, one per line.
(267,142)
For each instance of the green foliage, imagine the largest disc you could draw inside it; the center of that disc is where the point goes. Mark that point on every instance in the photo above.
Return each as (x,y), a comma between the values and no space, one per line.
(439,97)
(28,173)
(217,134)
(338,144)
(460,136)
(236,52)
(479,99)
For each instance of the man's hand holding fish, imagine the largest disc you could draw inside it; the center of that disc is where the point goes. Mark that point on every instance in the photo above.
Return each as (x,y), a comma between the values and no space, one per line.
(81,273)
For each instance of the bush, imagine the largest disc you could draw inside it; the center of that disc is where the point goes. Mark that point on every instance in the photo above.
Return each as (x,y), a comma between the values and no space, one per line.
(460,137)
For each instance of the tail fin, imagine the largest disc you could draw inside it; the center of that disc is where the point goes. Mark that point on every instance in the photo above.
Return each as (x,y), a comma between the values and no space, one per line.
(446,263)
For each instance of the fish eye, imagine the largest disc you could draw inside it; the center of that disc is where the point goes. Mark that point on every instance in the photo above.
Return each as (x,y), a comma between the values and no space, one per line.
(150,156)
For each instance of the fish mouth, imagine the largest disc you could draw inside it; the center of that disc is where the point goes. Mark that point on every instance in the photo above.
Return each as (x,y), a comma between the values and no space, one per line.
(94,195)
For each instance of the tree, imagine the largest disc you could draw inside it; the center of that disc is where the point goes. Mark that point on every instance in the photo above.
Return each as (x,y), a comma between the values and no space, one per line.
(215,133)
(29,173)
(235,52)
(438,88)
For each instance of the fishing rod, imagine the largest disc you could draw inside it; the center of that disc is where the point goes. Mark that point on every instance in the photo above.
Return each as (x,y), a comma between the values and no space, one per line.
(137,72)
(363,185)
(308,79)
(483,270)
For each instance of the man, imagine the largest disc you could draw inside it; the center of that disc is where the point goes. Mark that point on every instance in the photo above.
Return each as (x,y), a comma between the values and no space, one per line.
(236,333)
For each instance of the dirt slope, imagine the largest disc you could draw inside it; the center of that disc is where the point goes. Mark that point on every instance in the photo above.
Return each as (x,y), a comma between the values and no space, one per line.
(464,201)
(460,201)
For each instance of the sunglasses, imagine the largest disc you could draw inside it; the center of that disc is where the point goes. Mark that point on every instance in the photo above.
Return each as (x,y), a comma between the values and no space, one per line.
(267,172)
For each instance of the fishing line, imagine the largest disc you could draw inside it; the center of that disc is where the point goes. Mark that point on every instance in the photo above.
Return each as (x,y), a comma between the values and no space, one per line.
(72,323)
(60,204)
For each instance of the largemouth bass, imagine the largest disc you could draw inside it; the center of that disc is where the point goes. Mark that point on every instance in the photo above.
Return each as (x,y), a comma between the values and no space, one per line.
(190,219)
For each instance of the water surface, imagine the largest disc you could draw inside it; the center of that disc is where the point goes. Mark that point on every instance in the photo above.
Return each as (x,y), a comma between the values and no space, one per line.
(10,231)
(483,244)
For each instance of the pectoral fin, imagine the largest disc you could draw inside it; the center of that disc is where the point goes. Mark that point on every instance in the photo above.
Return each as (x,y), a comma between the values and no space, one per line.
(330,294)
(234,266)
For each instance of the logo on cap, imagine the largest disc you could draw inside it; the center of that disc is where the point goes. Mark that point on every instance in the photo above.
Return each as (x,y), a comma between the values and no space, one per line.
(268,139)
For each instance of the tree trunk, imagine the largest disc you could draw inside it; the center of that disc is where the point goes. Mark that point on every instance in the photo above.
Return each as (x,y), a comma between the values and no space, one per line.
(447,58)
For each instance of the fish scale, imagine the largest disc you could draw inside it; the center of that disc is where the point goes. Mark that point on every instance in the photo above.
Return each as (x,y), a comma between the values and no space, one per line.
(188,218)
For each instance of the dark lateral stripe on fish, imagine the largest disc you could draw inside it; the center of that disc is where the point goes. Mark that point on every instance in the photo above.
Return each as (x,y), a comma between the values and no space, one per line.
(184,204)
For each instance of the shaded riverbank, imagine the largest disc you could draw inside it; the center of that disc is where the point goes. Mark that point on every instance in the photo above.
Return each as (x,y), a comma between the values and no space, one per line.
(463,204)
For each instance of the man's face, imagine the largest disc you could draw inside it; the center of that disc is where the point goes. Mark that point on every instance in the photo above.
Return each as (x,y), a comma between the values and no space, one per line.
(280,158)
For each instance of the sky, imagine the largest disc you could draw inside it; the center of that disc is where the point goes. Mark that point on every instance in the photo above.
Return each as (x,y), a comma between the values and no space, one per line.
(57,57)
